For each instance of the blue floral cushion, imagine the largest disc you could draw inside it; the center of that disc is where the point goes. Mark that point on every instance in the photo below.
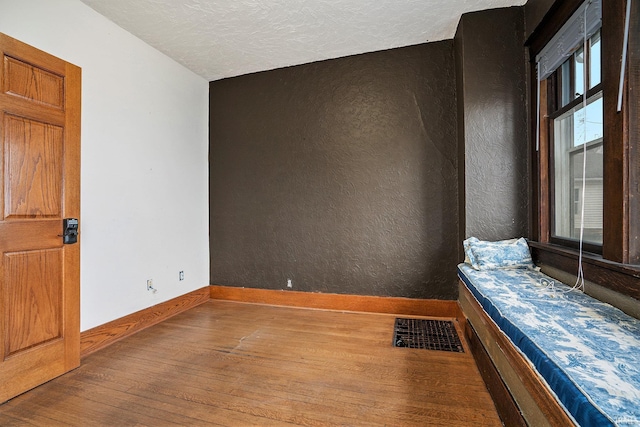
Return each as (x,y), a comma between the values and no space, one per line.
(587,351)
(512,253)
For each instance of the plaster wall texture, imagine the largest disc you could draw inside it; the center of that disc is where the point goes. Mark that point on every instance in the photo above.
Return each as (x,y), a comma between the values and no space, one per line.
(339,175)
(492,124)
(144,207)
(534,11)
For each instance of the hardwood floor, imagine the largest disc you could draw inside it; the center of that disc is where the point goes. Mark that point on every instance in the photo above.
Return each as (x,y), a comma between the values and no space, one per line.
(228,363)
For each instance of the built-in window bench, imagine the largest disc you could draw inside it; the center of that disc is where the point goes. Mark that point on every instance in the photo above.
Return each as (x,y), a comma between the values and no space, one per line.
(564,357)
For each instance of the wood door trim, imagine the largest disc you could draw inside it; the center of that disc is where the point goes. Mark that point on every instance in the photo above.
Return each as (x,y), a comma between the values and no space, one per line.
(71,209)
(364,303)
(101,336)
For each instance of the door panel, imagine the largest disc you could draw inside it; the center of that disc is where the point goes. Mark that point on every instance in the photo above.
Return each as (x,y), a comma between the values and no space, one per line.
(40,185)
(33,284)
(33,83)
(33,168)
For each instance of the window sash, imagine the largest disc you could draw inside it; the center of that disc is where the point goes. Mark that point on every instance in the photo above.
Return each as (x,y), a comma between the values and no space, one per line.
(565,152)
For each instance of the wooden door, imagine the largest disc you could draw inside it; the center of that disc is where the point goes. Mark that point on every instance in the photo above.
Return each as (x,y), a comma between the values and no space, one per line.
(39,186)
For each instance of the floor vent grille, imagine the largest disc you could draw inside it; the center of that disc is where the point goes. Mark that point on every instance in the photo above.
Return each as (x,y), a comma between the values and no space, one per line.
(427,334)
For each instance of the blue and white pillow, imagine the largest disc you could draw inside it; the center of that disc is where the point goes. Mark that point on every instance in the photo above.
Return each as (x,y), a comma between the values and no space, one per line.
(512,253)
(469,258)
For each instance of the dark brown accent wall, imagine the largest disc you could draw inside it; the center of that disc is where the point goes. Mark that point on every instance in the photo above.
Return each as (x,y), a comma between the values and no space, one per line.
(340,175)
(535,11)
(492,124)
(362,175)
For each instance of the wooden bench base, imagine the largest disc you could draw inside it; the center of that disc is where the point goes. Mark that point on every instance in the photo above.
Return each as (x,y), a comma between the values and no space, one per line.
(537,404)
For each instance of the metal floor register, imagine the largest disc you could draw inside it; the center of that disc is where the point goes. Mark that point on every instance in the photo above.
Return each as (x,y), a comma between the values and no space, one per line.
(427,334)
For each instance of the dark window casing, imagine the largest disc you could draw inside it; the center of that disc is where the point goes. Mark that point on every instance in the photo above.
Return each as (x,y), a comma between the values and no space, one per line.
(621,215)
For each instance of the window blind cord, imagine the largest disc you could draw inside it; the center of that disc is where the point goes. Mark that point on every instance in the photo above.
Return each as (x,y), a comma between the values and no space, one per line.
(580,275)
(625,44)
(550,285)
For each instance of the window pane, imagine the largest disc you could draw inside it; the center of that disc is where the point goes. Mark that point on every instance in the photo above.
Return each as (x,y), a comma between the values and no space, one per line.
(565,74)
(594,64)
(571,133)
(579,72)
(592,194)
(592,129)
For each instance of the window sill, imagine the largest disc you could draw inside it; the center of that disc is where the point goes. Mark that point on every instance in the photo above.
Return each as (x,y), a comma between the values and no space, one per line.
(622,278)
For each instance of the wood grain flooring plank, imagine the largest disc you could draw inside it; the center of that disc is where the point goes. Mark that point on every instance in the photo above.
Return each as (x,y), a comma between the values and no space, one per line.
(247,390)
(153,398)
(233,364)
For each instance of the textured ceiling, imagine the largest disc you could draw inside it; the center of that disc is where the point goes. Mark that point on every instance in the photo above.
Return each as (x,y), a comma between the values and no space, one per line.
(224,38)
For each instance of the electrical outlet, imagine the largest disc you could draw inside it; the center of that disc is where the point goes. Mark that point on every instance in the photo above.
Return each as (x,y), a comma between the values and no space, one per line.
(181,275)
(150,286)
(289,284)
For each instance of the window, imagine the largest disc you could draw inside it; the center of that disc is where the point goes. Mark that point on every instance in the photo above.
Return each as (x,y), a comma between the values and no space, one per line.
(587,131)
(569,72)
(604,125)
(577,138)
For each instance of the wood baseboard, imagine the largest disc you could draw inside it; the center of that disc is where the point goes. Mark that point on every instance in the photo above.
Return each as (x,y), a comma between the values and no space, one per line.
(101,336)
(369,304)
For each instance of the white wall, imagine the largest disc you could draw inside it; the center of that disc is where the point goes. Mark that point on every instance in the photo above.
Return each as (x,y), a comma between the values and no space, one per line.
(144,158)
